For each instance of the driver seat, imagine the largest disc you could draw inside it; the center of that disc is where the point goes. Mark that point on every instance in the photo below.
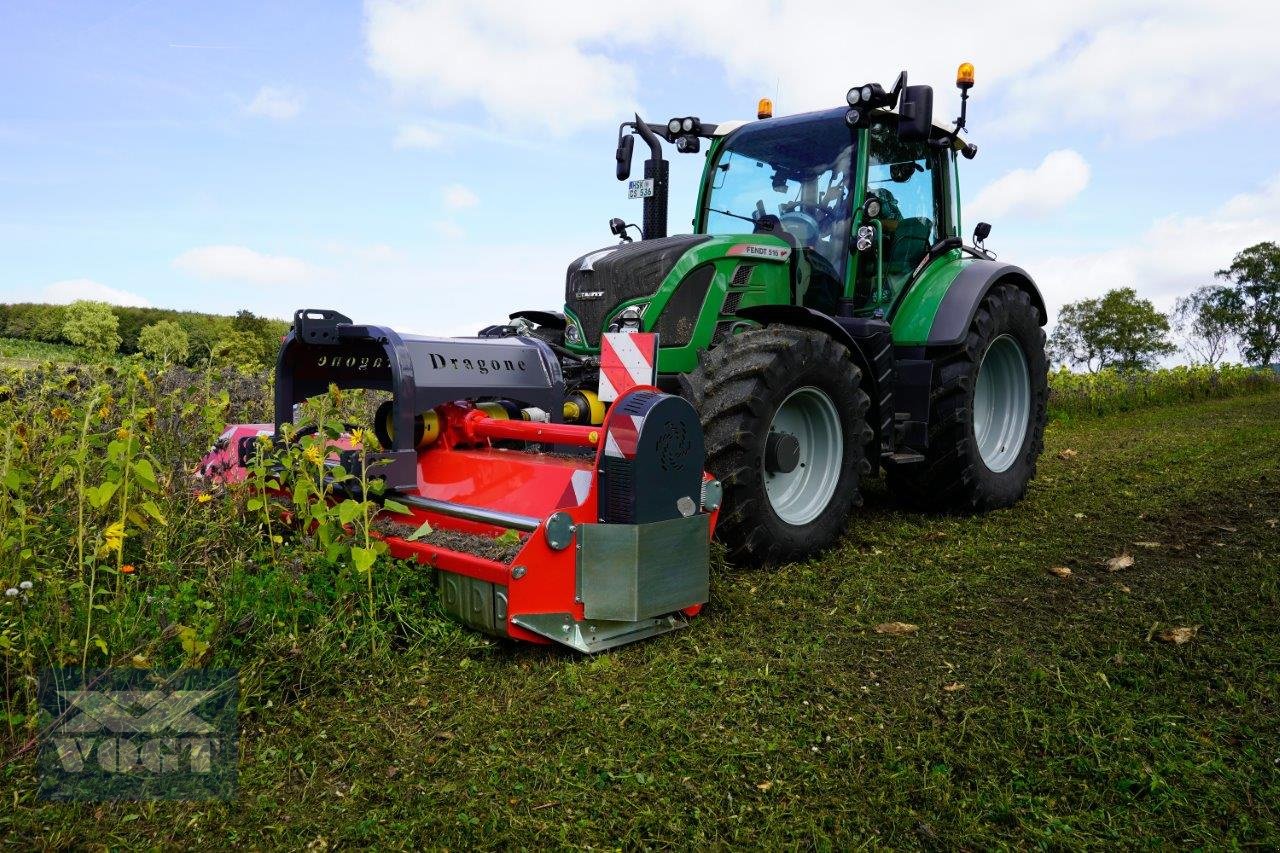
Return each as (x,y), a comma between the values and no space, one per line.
(911,243)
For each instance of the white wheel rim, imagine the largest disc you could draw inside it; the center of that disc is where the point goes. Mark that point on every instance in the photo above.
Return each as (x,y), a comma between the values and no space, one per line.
(800,495)
(1002,404)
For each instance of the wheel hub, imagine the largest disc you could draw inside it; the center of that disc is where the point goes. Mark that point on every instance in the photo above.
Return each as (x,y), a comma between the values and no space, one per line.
(803,455)
(781,453)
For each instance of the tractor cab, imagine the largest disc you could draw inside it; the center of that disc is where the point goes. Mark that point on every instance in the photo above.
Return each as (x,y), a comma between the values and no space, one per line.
(820,185)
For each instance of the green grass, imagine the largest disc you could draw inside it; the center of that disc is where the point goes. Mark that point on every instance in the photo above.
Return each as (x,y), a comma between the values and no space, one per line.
(780,718)
(16,352)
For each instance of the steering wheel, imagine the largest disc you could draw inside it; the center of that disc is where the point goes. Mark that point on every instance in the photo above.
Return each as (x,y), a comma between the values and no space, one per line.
(766,223)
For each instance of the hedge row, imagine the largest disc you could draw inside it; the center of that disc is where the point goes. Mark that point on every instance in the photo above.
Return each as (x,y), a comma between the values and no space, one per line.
(40,322)
(1077,395)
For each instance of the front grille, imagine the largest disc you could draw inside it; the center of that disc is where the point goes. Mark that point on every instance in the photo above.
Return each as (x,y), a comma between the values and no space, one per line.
(731,302)
(619,274)
(742,275)
(680,314)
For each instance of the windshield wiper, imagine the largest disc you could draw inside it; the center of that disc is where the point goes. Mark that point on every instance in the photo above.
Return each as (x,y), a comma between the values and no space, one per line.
(734,215)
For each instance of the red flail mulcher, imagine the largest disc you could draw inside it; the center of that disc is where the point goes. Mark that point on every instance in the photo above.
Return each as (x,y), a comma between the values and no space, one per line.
(612,515)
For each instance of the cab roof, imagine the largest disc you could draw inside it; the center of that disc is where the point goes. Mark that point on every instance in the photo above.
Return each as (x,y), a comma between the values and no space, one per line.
(724,128)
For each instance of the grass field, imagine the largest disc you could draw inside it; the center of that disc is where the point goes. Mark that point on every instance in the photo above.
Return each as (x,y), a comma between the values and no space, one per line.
(17,352)
(1027,709)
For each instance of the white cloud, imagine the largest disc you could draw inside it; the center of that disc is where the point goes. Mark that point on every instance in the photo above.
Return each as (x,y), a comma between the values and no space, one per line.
(458,196)
(239,263)
(417,136)
(1059,178)
(522,62)
(1173,256)
(1143,67)
(276,103)
(1154,69)
(75,289)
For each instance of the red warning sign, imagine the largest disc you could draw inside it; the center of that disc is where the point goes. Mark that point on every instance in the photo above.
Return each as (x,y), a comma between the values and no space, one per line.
(627,359)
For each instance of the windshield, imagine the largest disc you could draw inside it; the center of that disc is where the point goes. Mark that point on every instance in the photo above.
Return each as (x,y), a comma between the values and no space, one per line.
(794,174)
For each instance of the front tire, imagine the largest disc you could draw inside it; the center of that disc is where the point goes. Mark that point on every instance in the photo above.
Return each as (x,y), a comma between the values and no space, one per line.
(987,413)
(784,416)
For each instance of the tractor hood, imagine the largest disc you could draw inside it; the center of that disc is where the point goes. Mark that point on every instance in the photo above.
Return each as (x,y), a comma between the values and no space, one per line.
(598,282)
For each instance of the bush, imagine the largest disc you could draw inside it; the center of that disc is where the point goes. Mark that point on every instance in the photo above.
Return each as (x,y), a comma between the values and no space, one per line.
(1076,395)
(117,555)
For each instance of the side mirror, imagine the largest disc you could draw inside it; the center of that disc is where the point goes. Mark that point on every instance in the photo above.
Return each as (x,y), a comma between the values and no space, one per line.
(915,110)
(626,142)
(981,233)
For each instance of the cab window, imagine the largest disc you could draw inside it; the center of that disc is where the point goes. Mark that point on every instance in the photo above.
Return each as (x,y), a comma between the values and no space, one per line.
(787,176)
(910,179)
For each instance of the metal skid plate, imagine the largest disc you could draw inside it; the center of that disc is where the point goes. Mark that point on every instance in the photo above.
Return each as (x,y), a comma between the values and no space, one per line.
(596,635)
(630,572)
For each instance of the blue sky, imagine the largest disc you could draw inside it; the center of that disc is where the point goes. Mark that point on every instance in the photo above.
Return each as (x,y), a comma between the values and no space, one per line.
(432,165)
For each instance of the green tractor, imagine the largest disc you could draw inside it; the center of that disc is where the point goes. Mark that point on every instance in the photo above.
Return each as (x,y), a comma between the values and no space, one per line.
(825,318)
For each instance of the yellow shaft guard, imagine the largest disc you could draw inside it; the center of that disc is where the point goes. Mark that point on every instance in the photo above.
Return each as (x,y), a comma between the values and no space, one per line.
(597,407)
(430,423)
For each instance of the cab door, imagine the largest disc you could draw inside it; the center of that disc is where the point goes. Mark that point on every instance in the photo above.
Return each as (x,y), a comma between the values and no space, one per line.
(912,182)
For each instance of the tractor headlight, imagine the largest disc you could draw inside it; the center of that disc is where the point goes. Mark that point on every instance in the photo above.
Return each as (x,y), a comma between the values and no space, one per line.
(572,333)
(866,93)
(872,207)
(687,125)
(674,125)
(866,236)
(629,317)
(853,96)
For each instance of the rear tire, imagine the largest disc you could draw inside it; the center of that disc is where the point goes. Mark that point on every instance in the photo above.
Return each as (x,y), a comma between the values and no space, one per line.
(782,381)
(987,413)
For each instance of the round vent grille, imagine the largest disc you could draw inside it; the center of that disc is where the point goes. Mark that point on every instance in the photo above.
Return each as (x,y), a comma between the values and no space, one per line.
(673,447)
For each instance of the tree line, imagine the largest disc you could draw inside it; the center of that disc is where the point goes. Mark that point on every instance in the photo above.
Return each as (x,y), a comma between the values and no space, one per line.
(173,337)
(1120,331)
(1116,330)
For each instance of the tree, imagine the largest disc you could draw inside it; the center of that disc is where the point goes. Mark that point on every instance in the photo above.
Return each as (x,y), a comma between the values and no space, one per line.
(165,341)
(1210,318)
(92,326)
(244,350)
(1118,330)
(1255,276)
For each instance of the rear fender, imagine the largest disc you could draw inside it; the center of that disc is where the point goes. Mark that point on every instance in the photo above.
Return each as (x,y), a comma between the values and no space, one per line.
(946,308)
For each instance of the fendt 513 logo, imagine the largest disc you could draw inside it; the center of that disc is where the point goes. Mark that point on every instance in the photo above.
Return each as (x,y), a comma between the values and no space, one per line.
(139,734)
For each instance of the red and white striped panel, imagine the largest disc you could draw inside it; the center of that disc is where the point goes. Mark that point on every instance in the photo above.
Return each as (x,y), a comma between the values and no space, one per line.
(623,436)
(627,359)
